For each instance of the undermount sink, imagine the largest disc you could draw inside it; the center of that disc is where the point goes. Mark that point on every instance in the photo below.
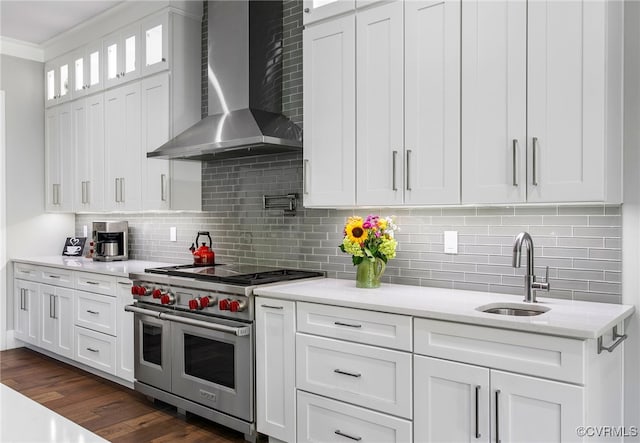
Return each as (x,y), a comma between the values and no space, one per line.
(515,309)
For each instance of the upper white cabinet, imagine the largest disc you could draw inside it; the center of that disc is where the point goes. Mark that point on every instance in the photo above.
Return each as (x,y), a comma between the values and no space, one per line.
(88,141)
(122,55)
(59,159)
(155,43)
(58,78)
(408,108)
(314,10)
(329,112)
(541,94)
(87,70)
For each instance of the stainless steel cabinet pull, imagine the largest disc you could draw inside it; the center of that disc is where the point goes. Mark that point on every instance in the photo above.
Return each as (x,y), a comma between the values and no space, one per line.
(534,167)
(305,173)
(342,434)
(272,307)
(163,190)
(307,10)
(54,276)
(22,304)
(117,188)
(408,169)
(122,190)
(350,374)
(52,306)
(88,195)
(93,312)
(82,199)
(125,283)
(619,338)
(393,172)
(92,350)
(339,323)
(477,412)
(92,282)
(515,162)
(497,416)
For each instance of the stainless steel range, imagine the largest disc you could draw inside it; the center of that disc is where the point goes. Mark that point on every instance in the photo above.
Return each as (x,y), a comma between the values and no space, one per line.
(194,338)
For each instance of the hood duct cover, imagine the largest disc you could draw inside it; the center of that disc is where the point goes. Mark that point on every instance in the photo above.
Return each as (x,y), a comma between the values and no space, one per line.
(244,48)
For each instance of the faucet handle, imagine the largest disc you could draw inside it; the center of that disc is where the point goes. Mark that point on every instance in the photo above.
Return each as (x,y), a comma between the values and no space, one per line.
(544,285)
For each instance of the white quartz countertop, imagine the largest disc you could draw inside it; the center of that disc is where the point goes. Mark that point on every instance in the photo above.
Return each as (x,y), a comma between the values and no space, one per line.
(116,268)
(567,318)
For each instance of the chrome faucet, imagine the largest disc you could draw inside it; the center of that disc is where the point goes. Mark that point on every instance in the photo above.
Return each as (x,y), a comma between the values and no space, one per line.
(530,283)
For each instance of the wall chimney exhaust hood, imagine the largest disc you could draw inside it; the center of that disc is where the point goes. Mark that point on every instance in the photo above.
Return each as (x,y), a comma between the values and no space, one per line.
(244,47)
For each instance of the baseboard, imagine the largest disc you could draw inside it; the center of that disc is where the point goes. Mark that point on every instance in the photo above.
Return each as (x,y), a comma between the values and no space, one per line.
(11,342)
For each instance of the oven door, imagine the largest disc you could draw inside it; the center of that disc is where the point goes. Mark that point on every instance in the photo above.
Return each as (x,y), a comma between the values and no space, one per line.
(213,364)
(152,352)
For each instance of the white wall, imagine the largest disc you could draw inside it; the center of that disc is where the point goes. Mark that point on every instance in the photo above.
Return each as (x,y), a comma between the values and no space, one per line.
(29,231)
(631,211)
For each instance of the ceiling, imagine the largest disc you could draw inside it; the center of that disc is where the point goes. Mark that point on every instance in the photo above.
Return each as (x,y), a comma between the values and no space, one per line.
(38,21)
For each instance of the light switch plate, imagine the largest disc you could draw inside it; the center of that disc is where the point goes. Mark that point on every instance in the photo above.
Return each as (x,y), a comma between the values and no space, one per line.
(84,231)
(450,242)
(173,234)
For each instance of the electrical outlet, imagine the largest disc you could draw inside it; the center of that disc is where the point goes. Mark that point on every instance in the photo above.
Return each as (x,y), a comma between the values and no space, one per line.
(85,230)
(450,242)
(173,234)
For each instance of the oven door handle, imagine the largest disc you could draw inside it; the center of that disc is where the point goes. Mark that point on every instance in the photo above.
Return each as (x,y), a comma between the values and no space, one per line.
(137,310)
(241,331)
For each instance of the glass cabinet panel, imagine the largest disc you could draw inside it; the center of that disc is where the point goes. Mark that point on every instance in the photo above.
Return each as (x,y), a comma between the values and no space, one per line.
(153,45)
(94,68)
(130,54)
(79,74)
(112,61)
(51,84)
(64,80)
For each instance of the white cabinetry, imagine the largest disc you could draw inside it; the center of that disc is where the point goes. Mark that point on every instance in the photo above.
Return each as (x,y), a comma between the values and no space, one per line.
(121,51)
(275,368)
(87,70)
(88,140)
(56,314)
(124,325)
(57,80)
(329,109)
(122,146)
(59,159)
(540,107)
(315,10)
(26,312)
(155,42)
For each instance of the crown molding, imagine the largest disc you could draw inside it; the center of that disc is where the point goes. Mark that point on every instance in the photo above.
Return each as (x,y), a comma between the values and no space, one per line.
(21,49)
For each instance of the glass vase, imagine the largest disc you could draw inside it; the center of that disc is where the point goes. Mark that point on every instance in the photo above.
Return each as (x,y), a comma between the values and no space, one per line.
(369,273)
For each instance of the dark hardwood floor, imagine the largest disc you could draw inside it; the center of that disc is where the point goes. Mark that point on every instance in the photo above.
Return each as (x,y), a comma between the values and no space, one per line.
(114,412)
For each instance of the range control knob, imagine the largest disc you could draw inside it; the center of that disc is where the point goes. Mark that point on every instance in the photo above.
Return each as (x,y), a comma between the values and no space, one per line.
(193,304)
(167,299)
(134,290)
(200,302)
(205,302)
(157,293)
(237,306)
(223,304)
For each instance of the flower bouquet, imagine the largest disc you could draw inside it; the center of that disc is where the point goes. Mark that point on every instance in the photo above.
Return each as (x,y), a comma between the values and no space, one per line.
(371,243)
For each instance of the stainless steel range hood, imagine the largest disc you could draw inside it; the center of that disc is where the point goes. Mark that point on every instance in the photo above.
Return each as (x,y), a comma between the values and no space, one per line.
(244,47)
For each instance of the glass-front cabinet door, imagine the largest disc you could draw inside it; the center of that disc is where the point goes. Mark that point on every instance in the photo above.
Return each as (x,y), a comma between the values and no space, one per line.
(86,64)
(155,43)
(58,80)
(121,50)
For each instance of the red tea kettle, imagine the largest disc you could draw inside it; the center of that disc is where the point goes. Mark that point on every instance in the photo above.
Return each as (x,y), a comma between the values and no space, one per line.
(204,255)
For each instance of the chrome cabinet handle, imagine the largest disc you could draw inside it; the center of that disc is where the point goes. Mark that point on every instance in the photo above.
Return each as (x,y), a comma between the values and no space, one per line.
(272,307)
(342,434)
(163,190)
(87,191)
(534,166)
(305,165)
(350,374)
(92,350)
(84,192)
(124,283)
(52,306)
(497,416)
(53,276)
(93,312)
(164,59)
(307,10)
(117,187)
(515,162)
(349,325)
(408,169)
(91,282)
(22,303)
(477,412)
(122,190)
(394,157)
(619,338)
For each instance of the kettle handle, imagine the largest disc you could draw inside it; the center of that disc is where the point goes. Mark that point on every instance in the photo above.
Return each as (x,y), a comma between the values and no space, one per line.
(203,233)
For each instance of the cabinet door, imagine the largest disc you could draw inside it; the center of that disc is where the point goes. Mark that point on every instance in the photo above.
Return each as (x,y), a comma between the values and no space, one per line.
(63,313)
(527,409)
(50,84)
(315,10)
(59,159)
(48,334)
(26,311)
(275,368)
(93,67)
(79,66)
(65,78)
(155,132)
(52,158)
(380,105)
(155,44)
(432,102)
(122,147)
(567,100)
(124,326)
(451,401)
(329,107)
(95,154)
(493,101)
(122,54)
(81,150)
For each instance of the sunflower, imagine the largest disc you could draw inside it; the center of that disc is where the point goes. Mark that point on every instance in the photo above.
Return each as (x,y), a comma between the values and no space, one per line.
(354,230)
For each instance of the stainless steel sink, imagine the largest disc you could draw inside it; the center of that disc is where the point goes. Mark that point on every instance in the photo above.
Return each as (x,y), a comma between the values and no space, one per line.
(514,309)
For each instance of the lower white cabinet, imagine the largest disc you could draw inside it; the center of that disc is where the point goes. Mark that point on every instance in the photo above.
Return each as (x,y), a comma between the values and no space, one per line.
(124,330)
(56,325)
(26,312)
(275,368)
(96,311)
(95,349)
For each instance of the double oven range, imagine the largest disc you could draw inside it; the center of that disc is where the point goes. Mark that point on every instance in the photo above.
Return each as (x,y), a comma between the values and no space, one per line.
(194,338)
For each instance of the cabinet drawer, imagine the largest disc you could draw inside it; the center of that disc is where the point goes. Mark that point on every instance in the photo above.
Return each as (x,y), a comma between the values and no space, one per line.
(364,375)
(26,272)
(325,420)
(95,349)
(545,356)
(368,327)
(96,312)
(56,277)
(102,284)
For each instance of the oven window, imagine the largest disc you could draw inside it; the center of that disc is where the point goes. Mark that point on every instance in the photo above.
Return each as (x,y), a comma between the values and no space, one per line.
(152,343)
(210,360)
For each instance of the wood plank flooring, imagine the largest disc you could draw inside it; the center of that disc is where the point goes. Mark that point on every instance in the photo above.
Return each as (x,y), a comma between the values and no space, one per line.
(114,412)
